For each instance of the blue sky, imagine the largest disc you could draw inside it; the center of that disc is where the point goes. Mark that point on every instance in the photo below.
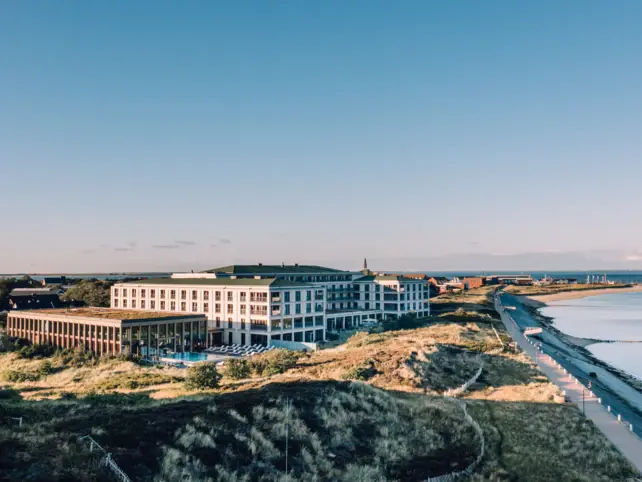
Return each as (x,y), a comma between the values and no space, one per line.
(423,135)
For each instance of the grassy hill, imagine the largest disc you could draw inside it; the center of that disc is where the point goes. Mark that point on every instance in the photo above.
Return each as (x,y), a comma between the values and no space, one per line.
(371,409)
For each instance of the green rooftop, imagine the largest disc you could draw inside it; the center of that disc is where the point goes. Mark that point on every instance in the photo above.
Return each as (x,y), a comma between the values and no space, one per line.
(248,269)
(272,282)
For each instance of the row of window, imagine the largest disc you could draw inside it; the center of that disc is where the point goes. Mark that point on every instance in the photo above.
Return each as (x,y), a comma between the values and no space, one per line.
(256,324)
(255,297)
(261,310)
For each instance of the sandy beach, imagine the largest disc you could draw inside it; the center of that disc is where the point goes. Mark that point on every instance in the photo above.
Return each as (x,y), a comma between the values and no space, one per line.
(573,295)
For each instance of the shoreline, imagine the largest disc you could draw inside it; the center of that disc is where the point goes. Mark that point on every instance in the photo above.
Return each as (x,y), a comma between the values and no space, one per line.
(573,295)
(617,380)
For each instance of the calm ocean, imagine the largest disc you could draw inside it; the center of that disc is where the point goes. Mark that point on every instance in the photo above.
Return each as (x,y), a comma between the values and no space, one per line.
(606,317)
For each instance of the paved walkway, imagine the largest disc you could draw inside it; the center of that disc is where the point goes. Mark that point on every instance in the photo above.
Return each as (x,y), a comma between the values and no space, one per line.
(618,433)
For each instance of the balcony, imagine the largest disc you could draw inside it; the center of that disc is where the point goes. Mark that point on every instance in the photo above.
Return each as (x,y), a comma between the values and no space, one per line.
(276,299)
(258,327)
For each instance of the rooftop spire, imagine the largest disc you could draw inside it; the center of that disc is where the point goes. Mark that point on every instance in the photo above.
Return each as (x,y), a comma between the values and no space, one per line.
(365,263)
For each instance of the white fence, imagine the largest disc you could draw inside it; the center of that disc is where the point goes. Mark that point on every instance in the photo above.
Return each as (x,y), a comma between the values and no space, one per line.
(106,460)
(453,392)
(452,476)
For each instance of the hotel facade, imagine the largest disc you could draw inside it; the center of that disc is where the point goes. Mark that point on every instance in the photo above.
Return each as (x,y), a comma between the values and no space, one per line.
(258,304)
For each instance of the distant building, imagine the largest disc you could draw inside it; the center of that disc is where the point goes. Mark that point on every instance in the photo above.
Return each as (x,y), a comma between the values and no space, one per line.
(565,281)
(34,298)
(438,280)
(61,280)
(514,279)
(473,282)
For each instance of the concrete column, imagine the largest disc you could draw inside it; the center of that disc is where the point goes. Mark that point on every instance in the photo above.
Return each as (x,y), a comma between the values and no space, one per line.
(175,333)
(191,335)
(149,340)
(182,337)
(157,340)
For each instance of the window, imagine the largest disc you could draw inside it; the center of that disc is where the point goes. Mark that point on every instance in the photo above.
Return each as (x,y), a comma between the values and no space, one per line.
(183,306)
(142,293)
(115,303)
(308,295)
(172,294)
(152,305)
(115,291)
(206,306)
(287,309)
(194,294)
(142,304)
(162,294)
(243,309)
(133,292)
(308,307)
(297,296)
(194,306)
(206,295)
(217,308)
(260,297)
(244,297)
(286,296)
(162,305)
(124,303)
(172,305)
(133,303)
(183,294)
(124,291)
(218,322)
(258,310)
(242,323)
(297,309)
(230,296)
(230,309)
(152,293)
(229,323)
(217,295)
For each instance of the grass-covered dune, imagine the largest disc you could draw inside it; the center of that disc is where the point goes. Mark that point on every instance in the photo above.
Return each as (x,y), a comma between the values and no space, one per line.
(336,431)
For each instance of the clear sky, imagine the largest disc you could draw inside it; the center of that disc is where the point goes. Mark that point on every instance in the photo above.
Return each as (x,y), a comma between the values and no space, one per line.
(424,135)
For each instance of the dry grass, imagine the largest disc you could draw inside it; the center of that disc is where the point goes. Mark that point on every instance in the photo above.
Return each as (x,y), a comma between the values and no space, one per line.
(110,375)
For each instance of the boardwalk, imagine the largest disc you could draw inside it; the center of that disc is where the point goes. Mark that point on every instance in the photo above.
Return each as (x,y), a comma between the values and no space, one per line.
(618,433)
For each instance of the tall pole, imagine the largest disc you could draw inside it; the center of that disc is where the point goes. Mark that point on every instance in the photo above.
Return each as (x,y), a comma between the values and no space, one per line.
(583,404)
(287,433)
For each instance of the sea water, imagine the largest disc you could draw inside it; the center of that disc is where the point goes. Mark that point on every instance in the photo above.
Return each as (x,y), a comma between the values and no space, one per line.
(615,316)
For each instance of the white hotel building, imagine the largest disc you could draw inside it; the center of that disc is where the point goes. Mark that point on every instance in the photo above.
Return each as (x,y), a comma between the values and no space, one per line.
(248,304)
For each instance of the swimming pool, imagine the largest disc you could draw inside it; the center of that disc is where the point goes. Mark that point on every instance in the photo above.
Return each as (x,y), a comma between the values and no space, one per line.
(188,357)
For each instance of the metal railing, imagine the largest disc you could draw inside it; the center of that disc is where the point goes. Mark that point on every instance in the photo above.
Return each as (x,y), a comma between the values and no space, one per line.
(106,460)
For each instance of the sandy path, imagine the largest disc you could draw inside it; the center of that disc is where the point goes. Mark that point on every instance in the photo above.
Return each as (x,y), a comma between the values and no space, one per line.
(572,295)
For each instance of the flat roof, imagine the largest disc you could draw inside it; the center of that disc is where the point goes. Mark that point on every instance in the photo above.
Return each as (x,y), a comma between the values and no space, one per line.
(108,313)
(273,282)
(274,269)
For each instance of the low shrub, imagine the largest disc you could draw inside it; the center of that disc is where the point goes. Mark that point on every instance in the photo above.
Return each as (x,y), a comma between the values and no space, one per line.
(17,376)
(274,362)
(202,376)
(9,394)
(237,368)
(36,351)
(133,380)
(362,372)
(45,368)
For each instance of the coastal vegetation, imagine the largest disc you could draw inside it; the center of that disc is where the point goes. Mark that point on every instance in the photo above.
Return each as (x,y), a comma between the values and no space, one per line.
(372,408)
(553,289)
